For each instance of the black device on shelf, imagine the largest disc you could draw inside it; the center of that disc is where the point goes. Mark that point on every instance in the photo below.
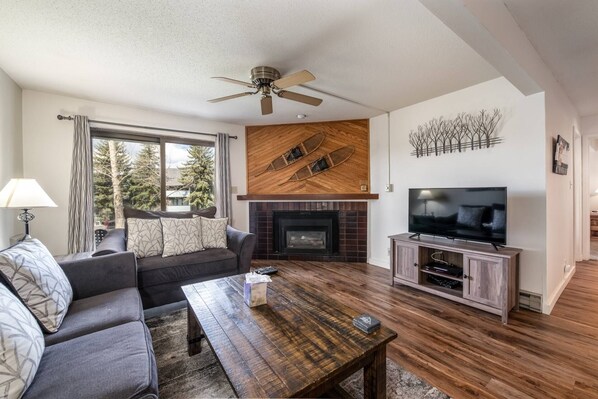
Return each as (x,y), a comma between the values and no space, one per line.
(474,213)
(444,282)
(438,267)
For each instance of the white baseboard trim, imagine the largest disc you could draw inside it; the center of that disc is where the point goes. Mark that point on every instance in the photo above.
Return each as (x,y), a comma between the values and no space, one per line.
(549,304)
(379,262)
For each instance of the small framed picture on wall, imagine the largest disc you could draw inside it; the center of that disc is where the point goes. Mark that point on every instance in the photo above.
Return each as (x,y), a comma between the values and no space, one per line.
(560,163)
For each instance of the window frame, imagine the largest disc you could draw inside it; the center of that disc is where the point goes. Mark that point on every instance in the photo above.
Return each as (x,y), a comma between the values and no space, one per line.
(142,137)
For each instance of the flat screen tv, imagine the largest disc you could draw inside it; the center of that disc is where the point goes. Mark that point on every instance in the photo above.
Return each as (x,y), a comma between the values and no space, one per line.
(474,213)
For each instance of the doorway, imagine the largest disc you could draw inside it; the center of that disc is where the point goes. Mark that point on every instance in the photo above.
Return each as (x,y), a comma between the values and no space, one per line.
(592,177)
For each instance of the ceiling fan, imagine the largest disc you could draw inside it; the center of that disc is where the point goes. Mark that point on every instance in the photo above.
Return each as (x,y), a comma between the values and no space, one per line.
(267,80)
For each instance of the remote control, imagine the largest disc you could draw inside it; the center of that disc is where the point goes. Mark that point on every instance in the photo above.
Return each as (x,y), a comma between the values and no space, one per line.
(266,270)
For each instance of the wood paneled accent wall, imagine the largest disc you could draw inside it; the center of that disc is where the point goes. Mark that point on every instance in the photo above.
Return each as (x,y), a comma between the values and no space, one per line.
(265,143)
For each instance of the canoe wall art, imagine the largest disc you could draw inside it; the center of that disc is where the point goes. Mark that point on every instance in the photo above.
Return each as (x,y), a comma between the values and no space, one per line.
(308,158)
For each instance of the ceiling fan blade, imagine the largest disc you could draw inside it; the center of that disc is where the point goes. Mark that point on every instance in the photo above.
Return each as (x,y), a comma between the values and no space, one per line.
(289,95)
(237,82)
(217,100)
(294,79)
(266,105)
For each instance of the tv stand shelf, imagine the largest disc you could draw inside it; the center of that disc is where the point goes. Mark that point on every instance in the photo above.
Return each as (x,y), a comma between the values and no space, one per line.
(440,274)
(489,279)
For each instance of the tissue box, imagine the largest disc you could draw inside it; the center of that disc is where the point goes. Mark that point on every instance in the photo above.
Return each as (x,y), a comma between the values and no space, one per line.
(255,294)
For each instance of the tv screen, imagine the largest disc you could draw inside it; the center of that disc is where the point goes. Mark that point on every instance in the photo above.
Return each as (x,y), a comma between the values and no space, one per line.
(477,214)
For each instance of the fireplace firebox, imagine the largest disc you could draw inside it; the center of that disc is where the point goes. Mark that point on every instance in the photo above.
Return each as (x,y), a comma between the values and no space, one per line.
(305,232)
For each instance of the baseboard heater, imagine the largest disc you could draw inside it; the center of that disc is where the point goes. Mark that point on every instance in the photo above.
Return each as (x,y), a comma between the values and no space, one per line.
(530,301)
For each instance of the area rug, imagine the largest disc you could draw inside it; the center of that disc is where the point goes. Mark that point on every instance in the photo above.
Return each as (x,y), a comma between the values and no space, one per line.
(200,376)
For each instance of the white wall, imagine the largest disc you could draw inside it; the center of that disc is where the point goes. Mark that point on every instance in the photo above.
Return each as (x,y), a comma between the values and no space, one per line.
(491,30)
(47,144)
(593,176)
(561,119)
(11,151)
(517,163)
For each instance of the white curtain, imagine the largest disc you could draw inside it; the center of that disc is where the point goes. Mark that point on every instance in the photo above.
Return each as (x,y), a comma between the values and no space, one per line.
(222,187)
(80,231)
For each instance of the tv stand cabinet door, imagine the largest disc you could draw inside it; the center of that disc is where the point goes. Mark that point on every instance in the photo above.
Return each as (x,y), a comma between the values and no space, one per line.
(406,262)
(484,280)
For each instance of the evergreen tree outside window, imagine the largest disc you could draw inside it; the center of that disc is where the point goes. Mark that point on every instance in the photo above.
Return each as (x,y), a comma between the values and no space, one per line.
(195,177)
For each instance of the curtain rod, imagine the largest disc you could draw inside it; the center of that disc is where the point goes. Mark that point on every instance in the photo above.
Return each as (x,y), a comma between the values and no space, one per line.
(70,118)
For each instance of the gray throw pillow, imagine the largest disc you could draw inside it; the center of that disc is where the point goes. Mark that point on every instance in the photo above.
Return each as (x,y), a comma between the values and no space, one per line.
(21,346)
(181,236)
(145,237)
(213,232)
(38,280)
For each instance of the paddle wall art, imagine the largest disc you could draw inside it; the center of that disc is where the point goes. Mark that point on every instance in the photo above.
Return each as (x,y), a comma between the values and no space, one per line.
(308,158)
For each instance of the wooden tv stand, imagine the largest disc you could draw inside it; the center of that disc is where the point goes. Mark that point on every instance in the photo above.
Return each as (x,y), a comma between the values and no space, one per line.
(489,280)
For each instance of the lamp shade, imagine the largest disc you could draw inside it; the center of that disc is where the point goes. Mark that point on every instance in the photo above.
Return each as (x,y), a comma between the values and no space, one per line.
(425,195)
(24,194)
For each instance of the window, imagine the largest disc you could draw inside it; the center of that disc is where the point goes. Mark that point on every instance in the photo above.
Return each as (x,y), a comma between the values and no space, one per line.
(150,173)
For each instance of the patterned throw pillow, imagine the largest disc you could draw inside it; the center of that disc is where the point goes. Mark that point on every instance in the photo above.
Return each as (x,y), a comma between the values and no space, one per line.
(181,236)
(21,346)
(213,232)
(145,237)
(36,277)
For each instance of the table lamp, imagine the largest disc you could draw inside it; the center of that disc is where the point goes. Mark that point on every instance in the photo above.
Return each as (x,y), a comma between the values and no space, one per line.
(25,194)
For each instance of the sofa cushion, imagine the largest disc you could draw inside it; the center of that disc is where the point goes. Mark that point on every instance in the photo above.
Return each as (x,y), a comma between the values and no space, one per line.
(181,236)
(21,345)
(213,232)
(145,237)
(41,284)
(158,270)
(115,363)
(97,313)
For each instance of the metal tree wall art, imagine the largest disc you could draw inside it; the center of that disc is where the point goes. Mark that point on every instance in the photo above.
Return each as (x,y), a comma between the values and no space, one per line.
(465,131)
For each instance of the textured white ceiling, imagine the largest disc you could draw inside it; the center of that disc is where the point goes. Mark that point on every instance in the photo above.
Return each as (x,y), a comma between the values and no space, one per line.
(161,54)
(565,34)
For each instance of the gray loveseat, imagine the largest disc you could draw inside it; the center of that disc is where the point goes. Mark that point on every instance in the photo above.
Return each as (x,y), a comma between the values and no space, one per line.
(103,348)
(160,279)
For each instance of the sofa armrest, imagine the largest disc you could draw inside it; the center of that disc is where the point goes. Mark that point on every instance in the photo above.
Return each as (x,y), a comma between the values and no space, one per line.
(94,276)
(242,244)
(113,242)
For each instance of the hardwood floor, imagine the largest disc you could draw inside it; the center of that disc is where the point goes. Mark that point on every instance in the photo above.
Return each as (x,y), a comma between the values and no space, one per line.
(468,353)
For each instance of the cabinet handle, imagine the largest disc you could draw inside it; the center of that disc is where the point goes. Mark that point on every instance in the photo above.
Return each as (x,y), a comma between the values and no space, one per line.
(415,264)
(465,276)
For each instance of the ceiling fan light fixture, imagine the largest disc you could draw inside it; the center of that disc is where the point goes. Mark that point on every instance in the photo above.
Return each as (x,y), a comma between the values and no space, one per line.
(267,80)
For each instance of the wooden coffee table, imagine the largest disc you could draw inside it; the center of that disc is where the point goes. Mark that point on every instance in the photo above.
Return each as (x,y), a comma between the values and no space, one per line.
(300,344)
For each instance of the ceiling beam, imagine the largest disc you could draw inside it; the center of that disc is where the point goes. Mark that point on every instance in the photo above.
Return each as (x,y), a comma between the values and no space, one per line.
(490,30)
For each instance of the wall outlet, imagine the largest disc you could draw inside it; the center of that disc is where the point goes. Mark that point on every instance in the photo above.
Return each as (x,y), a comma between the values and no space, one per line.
(567,268)
(388,188)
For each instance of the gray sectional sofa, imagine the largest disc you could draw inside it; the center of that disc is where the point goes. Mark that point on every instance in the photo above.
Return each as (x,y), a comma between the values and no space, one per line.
(103,348)
(160,279)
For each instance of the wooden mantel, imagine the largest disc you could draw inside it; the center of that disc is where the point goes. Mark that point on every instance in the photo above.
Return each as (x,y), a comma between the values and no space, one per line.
(307,197)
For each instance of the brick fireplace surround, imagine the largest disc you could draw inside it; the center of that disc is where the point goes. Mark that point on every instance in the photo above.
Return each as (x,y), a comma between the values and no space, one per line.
(353,222)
